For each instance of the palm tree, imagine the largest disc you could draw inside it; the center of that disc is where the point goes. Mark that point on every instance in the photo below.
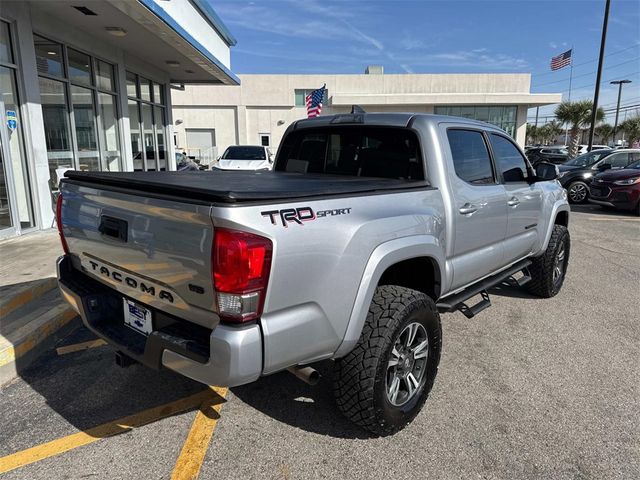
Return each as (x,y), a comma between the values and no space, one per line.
(631,128)
(577,115)
(533,133)
(604,131)
(552,130)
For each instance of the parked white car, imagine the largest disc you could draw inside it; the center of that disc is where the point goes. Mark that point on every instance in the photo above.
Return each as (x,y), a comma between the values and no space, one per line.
(245,157)
(583,148)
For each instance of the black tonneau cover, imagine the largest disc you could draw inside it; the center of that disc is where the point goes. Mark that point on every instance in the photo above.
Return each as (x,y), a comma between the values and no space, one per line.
(236,187)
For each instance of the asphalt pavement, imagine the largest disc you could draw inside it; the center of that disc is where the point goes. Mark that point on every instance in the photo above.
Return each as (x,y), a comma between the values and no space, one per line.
(530,388)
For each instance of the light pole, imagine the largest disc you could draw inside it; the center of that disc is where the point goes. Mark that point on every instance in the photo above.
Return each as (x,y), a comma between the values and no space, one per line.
(615,124)
(603,40)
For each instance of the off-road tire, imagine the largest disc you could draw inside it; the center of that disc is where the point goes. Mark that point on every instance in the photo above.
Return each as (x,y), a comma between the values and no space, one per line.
(542,282)
(359,384)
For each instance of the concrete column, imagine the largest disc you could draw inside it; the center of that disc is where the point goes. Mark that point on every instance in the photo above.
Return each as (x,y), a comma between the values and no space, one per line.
(241,125)
(35,141)
(521,125)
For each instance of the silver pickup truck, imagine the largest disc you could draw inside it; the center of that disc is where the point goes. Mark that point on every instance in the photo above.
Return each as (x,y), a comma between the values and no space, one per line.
(368,227)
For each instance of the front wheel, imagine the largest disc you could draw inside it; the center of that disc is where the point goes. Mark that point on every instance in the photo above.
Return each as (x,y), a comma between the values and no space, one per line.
(384,381)
(578,192)
(548,270)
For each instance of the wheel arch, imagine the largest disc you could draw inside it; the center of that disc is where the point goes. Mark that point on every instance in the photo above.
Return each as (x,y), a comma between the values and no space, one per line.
(559,216)
(397,261)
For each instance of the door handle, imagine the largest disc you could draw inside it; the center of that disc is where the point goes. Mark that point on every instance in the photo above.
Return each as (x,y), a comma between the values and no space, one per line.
(468,209)
(513,202)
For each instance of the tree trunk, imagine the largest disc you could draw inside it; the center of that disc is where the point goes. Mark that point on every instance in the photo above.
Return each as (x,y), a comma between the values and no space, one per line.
(575,141)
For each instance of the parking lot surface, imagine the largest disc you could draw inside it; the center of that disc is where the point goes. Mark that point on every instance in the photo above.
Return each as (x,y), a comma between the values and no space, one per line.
(530,388)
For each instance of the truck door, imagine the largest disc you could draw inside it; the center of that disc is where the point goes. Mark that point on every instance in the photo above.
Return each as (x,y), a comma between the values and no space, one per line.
(524,199)
(479,207)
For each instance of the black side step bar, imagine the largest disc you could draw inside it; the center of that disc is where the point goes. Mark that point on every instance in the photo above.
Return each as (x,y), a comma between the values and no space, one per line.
(457,301)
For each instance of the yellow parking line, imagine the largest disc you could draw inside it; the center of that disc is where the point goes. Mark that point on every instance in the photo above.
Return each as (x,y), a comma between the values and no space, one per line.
(61,445)
(76,347)
(195,447)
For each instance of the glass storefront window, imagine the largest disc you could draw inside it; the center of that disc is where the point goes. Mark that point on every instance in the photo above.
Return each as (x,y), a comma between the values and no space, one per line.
(79,67)
(49,59)
(80,111)
(136,144)
(148,141)
(132,89)
(160,124)
(104,75)
(6,54)
(84,118)
(149,146)
(108,131)
(145,89)
(503,116)
(55,113)
(156,93)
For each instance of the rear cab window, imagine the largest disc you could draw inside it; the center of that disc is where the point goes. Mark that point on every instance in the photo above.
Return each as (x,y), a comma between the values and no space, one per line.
(470,156)
(382,152)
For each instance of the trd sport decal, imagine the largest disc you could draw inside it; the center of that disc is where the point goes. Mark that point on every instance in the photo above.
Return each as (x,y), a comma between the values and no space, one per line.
(301,214)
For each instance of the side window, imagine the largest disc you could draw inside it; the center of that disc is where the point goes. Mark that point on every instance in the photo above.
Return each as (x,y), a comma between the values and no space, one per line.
(470,156)
(509,160)
(618,160)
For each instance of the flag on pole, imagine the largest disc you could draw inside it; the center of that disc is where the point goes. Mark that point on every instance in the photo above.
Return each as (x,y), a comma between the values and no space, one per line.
(561,60)
(314,102)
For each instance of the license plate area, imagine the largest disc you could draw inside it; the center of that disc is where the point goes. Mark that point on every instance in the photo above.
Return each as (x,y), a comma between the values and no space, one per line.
(137,317)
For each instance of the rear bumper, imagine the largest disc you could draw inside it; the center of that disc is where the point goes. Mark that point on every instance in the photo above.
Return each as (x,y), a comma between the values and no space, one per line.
(226,356)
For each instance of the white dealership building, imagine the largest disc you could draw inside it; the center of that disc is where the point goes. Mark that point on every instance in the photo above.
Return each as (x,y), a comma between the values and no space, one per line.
(207,119)
(87,86)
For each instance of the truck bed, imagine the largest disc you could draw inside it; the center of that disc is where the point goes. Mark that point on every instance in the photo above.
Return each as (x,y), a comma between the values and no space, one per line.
(238,187)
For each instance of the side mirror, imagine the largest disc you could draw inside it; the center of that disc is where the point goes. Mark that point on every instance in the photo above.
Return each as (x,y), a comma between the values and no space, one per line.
(546,171)
(604,166)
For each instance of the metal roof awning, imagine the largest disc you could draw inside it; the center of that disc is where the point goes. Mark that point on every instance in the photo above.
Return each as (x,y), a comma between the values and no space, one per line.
(192,47)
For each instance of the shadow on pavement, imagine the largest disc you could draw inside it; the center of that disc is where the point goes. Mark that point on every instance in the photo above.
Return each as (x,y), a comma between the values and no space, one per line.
(87,389)
(601,210)
(285,398)
(507,289)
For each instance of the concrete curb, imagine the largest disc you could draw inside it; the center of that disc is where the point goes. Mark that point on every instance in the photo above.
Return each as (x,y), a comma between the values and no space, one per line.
(16,296)
(45,324)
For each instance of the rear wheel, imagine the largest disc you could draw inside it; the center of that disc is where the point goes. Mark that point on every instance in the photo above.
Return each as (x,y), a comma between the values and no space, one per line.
(578,192)
(548,270)
(382,384)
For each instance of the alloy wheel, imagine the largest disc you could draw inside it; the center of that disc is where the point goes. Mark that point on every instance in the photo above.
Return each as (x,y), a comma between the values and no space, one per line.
(407,364)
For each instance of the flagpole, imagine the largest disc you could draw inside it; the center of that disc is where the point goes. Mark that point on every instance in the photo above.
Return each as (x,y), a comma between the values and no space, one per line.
(566,131)
(571,72)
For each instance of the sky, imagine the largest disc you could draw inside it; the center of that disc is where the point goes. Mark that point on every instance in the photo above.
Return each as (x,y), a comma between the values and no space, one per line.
(426,36)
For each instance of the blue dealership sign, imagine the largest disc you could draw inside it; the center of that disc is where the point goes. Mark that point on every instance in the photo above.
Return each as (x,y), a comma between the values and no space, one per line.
(12,120)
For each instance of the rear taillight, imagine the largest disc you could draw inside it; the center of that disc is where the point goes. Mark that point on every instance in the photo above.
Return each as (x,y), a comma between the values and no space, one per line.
(240,262)
(65,247)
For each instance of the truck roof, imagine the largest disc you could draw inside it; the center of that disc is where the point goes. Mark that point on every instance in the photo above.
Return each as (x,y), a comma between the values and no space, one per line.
(399,119)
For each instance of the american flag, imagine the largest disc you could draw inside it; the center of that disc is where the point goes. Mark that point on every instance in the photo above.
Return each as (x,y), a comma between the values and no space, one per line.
(561,60)
(314,102)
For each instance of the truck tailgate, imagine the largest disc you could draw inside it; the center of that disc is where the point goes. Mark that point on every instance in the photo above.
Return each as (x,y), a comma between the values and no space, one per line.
(152,250)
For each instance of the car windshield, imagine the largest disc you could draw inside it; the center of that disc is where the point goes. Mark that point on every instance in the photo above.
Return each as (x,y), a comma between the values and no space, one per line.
(587,159)
(244,153)
(635,164)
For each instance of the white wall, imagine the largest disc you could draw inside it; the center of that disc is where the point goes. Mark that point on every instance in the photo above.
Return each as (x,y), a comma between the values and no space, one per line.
(265,103)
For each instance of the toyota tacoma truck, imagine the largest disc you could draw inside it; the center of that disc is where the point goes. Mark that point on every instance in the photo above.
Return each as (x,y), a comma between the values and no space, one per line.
(369,227)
